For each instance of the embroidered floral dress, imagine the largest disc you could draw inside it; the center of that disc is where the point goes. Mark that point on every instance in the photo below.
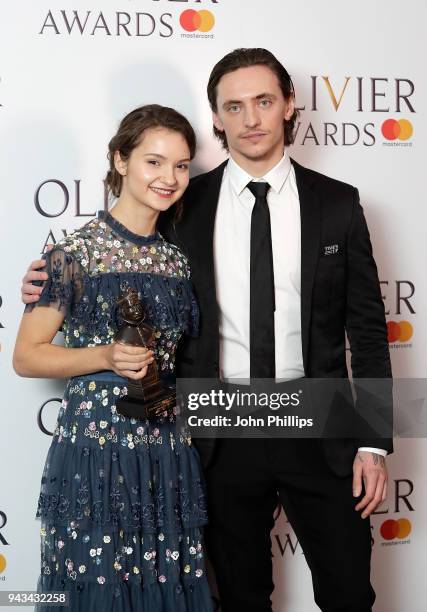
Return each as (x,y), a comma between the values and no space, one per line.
(122,500)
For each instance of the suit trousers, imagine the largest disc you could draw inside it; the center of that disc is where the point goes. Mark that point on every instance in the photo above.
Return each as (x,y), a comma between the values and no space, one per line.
(246,481)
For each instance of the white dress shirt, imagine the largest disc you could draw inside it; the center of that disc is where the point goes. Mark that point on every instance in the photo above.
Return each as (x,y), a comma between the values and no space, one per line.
(232,270)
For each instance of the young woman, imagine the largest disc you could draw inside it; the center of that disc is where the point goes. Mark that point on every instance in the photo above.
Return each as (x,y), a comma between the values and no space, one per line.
(122,500)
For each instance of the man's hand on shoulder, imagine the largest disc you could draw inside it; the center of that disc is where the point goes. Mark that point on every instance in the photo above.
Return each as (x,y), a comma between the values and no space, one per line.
(31,293)
(370,469)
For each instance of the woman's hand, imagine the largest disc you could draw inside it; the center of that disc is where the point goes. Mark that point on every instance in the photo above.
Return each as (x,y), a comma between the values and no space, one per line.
(128,361)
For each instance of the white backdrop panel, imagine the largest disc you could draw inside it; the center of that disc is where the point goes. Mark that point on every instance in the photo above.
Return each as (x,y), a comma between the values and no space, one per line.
(62,93)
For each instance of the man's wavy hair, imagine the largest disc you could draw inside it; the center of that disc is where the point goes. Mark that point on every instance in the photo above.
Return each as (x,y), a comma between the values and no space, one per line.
(245,58)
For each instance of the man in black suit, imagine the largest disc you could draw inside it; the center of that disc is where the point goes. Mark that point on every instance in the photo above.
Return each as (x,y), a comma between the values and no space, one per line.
(282,268)
(325,284)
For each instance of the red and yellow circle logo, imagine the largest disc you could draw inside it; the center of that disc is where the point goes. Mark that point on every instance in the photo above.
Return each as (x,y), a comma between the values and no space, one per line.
(2,563)
(393,129)
(192,20)
(391,529)
(401,331)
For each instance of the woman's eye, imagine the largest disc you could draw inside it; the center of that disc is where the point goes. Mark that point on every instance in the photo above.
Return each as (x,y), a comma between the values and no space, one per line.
(183,166)
(154,162)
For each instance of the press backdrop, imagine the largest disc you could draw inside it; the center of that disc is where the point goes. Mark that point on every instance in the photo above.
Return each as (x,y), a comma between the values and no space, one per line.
(70,70)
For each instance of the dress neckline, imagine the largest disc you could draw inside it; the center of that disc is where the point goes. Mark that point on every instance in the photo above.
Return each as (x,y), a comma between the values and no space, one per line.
(123,231)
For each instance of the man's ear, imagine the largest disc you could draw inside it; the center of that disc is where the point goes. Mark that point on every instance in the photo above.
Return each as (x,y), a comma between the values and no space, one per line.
(217,122)
(290,108)
(120,165)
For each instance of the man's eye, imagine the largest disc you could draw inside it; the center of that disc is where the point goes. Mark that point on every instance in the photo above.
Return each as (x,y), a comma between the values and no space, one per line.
(234,108)
(265,103)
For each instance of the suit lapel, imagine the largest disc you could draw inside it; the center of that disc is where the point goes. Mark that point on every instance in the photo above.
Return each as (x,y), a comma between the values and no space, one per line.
(206,221)
(310,210)
(202,253)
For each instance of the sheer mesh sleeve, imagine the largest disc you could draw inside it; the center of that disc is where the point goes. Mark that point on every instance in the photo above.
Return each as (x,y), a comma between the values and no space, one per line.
(64,286)
(192,327)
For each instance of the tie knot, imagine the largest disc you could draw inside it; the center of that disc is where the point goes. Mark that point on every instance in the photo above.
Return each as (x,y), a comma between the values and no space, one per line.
(259,189)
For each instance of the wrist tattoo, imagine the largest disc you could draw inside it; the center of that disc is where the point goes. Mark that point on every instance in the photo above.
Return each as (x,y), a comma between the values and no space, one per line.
(378,459)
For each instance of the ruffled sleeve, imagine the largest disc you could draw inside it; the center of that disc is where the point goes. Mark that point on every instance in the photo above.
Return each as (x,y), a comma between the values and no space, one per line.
(64,287)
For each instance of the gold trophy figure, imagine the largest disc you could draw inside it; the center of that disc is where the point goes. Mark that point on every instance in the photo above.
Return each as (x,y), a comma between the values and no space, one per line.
(146,398)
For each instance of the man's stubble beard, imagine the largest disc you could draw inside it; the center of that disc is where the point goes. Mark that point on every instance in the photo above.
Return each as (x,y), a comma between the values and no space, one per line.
(256,156)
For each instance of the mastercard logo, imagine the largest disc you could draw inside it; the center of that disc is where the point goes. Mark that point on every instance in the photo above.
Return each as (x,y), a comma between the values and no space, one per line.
(399,332)
(393,129)
(192,20)
(2,563)
(400,529)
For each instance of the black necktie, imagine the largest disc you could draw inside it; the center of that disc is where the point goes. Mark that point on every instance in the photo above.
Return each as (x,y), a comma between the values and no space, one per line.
(262,304)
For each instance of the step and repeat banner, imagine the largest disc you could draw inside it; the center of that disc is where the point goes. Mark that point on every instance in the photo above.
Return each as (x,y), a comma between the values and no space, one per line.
(70,70)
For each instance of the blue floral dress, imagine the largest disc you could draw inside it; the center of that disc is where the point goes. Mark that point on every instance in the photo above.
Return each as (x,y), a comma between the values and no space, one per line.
(122,501)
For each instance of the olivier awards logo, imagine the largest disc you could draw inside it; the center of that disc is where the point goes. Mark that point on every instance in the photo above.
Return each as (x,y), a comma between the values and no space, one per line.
(3,565)
(3,542)
(1,304)
(3,521)
(41,415)
(398,299)
(395,531)
(344,111)
(66,197)
(283,537)
(161,19)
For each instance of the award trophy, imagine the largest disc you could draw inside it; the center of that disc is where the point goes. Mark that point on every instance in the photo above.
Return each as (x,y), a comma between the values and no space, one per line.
(146,398)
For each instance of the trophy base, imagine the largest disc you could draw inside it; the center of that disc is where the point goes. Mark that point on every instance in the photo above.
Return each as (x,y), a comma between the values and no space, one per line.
(143,408)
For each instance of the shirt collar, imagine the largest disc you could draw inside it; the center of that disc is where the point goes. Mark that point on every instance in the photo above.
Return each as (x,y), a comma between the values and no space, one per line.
(276,177)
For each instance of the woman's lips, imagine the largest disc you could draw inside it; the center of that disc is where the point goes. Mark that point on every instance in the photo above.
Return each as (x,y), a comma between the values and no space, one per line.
(163,193)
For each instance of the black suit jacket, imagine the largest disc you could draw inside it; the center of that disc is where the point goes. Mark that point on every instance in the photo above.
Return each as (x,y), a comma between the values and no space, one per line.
(340,292)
